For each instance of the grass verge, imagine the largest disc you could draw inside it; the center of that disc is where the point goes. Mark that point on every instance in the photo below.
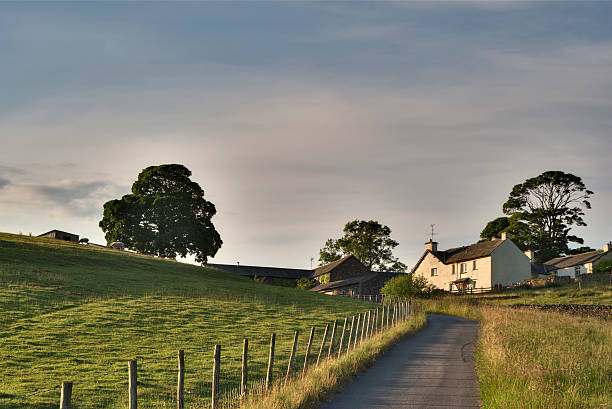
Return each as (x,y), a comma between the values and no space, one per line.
(535,359)
(319,384)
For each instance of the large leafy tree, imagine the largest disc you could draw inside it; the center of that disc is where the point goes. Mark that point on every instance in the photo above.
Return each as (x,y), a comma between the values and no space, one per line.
(518,230)
(165,215)
(549,205)
(369,241)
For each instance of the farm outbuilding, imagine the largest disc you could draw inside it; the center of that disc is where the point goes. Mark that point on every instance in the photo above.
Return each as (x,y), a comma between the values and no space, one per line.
(61,235)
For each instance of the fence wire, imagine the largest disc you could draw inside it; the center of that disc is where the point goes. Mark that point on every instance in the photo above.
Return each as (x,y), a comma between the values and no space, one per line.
(157,376)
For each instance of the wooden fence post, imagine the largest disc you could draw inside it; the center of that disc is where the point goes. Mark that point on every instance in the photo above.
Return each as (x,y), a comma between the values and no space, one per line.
(369,325)
(312,331)
(363,321)
(348,345)
(216,373)
(331,340)
(66,395)
(132,384)
(376,321)
(270,362)
(388,307)
(357,331)
(322,344)
(342,337)
(292,356)
(180,385)
(410,306)
(245,368)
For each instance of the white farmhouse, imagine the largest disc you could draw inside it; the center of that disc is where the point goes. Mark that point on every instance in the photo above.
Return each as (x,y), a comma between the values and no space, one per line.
(488,264)
(577,264)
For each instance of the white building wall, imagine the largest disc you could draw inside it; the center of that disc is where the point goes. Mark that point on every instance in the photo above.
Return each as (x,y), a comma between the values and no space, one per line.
(482,274)
(509,265)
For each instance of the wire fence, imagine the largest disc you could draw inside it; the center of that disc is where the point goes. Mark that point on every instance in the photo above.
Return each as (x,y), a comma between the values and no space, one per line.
(220,376)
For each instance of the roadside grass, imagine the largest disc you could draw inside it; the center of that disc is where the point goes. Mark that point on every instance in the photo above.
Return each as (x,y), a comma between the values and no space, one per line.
(590,294)
(321,383)
(69,312)
(535,359)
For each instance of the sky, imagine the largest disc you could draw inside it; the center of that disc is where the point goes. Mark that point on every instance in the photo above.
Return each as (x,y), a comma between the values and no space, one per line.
(296,117)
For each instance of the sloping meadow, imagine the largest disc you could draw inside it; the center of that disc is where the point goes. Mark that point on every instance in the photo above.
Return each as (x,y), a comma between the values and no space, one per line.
(71,312)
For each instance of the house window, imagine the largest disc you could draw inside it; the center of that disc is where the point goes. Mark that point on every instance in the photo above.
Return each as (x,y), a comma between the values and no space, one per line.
(475,265)
(577,270)
(434,272)
(453,270)
(463,268)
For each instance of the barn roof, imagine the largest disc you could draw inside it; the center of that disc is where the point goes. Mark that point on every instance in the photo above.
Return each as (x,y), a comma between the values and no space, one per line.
(329,267)
(260,271)
(343,283)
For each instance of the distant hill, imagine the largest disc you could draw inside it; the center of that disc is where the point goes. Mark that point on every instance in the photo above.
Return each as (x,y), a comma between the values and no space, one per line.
(71,311)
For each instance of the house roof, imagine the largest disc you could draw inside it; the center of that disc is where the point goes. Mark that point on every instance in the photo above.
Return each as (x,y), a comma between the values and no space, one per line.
(462,280)
(464,253)
(345,282)
(261,271)
(329,267)
(574,260)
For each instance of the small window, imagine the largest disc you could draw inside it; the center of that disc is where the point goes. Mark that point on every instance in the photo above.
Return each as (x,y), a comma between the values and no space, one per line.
(475,265)
(434,272)
(577,270)
(463,268)
(453,270)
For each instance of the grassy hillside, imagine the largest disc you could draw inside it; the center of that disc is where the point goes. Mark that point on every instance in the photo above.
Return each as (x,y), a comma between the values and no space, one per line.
(69,312)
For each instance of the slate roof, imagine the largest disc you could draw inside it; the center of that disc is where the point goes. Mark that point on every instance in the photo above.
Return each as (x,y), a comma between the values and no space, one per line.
(260,271)
(329,267)
(345,282)
(574,260)
(464,253)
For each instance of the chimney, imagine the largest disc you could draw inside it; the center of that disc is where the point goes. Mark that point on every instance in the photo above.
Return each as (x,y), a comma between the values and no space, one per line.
(431,245)
(505,235)
(607,246)
(529,253)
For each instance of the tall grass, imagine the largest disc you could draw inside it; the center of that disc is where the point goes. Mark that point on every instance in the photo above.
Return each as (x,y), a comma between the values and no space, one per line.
(535,359)
(320,383)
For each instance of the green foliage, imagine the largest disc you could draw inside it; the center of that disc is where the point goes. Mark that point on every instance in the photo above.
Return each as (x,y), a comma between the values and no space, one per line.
(305,283)
(518,231)
(324,279)
(544,209)
(369,241)
(580,250)
(603,266)
(406,285)
(166,215)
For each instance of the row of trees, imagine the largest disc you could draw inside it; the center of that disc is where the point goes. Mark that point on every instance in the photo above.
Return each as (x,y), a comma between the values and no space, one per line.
(167,215)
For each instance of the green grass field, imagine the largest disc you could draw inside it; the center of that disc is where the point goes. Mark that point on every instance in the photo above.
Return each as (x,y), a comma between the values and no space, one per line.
(568,294)
(70,312)
(536,359)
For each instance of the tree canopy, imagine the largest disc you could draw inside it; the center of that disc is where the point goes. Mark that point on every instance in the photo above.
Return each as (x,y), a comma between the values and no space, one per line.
(369,241)
(543,209)
(165,215)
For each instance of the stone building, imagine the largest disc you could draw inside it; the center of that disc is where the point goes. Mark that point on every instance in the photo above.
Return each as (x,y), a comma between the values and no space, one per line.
(348,276)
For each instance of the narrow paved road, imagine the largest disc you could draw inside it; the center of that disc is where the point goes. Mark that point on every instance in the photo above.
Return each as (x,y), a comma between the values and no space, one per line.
(433,369)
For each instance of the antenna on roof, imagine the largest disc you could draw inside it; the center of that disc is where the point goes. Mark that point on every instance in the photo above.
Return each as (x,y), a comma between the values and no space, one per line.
(432,231)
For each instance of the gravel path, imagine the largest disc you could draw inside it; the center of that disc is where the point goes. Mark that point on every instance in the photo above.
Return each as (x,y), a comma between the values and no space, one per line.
(432,369)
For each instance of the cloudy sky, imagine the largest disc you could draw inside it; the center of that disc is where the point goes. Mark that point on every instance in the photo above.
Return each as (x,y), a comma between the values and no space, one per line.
(297,117)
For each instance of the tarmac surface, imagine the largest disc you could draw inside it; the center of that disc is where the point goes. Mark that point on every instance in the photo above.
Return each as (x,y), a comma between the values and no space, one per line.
(432,369)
